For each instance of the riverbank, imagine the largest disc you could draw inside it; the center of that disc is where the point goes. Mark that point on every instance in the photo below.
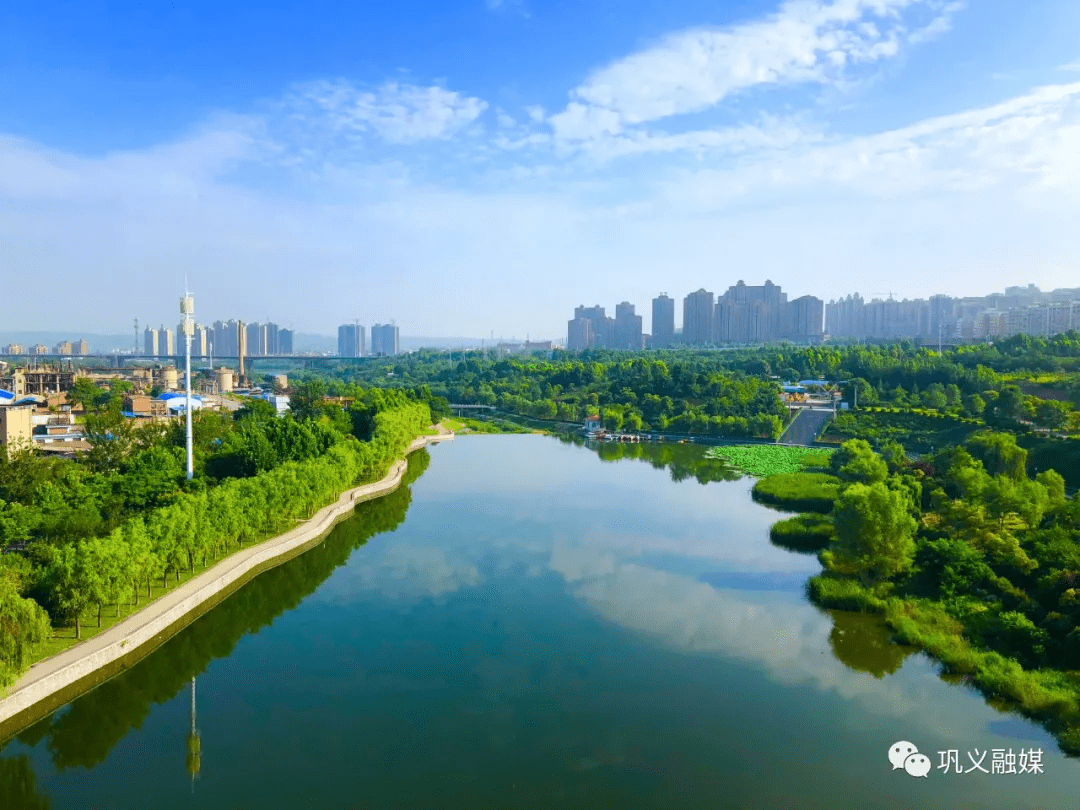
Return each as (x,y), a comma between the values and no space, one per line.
(57,680)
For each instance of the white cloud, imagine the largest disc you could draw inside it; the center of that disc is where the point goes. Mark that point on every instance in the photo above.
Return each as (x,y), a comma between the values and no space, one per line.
(1028,141)
(770,134)
(507,5)
(404,573)
(398,113)
(806,41)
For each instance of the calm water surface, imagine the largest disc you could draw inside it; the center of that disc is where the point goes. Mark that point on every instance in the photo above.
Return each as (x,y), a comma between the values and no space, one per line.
(531,625)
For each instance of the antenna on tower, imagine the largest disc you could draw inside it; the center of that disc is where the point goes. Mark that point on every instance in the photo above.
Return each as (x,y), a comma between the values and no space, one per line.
(187,325)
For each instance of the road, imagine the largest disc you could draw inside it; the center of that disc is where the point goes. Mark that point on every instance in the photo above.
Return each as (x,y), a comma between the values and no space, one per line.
(809,422)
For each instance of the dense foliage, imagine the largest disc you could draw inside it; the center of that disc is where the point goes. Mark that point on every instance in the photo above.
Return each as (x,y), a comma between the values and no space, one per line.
(677,393)
(968,556)
(93,532)
(1016,381)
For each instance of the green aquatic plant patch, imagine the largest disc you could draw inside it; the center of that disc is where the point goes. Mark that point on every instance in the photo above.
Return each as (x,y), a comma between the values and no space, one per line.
(769,459)
(799,492)
(806,533)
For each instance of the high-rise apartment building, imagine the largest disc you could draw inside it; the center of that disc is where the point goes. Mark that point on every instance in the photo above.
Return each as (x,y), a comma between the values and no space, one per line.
(663,321)
(385,340)
(807,319)
(270,338)
(285,341)
(64,347)
(256,340)
(166,342)
(698,317)
(150,342)
(602,327)
(627,327)
(351,340)
(225,339)
(579,334)
(746,314)
(200,344)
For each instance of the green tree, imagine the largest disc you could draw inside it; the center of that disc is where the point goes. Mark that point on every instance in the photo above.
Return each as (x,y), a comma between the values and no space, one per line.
(856,461)
(307,399)
(874,533)
(69,578)
(1054,485)
(84,393)
(24,625)
(999,454)
(974,405)
(1052,414)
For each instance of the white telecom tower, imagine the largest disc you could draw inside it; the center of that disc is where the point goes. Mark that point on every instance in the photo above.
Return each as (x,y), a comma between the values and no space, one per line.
(187,324)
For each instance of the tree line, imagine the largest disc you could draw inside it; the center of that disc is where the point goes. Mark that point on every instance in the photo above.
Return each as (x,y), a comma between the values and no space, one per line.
(970,557)
(86,535)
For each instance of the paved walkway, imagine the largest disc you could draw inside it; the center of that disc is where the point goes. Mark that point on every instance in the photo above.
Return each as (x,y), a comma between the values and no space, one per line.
(48,677)
(807,425)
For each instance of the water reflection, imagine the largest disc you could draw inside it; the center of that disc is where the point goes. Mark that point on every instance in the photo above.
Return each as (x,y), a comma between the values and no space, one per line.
(83,733)
(684,461)
(864,643)
(18,787)
(544,631)
(194,744)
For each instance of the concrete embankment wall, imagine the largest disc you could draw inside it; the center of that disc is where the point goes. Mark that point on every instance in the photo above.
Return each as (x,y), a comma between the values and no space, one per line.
(55,681)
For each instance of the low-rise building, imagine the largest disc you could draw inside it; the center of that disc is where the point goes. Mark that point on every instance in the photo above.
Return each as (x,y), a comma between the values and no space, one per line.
(144,405)
(16,425)
(279,401)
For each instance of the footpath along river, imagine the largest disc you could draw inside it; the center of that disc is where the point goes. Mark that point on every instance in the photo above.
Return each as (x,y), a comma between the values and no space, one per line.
(526,625)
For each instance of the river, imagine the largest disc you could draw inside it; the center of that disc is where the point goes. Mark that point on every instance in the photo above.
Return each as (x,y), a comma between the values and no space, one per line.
(530,623)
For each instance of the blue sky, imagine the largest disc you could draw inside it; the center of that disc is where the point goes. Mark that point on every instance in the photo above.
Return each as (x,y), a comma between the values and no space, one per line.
(486,165)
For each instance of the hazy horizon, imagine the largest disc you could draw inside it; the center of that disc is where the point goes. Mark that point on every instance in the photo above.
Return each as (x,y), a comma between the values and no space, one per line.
(485,166)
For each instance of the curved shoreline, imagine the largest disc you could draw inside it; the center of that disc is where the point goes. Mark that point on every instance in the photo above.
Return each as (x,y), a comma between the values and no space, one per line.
(56,681)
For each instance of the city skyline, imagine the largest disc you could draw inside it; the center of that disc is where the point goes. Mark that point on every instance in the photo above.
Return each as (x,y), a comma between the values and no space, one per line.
(476,148)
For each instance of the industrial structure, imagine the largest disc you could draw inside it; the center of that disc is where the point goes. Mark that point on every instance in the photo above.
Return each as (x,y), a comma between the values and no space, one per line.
(41,379)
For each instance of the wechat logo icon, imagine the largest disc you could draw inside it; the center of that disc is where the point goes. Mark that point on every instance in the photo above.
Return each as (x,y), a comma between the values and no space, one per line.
(905,755)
